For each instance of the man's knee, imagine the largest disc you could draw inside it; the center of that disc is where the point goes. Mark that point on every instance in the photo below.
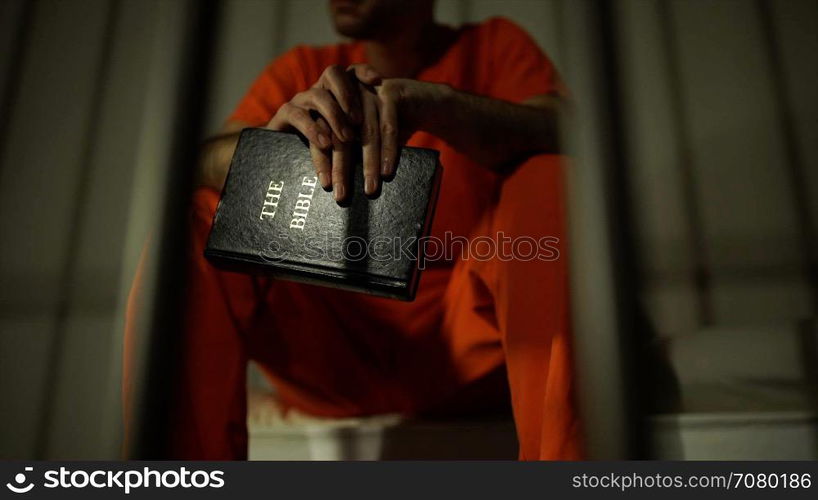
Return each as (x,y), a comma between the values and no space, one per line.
(532,199)
(204,203)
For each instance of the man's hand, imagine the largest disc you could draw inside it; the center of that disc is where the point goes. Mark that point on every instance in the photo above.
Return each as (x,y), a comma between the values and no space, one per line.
(345,106)
(328,115)
(393,111)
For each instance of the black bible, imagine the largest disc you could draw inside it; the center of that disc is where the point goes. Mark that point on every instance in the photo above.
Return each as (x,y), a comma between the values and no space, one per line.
(274,218)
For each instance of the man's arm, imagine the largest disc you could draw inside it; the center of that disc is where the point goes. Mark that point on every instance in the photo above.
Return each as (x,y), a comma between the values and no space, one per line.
(326,114)
(493,132)
(215,156)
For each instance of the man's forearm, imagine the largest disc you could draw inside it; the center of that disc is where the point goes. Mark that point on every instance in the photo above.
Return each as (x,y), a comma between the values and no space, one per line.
(214,160)
(493,132)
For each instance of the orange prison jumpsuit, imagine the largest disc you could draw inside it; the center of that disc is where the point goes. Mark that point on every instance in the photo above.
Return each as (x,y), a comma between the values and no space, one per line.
(473,323)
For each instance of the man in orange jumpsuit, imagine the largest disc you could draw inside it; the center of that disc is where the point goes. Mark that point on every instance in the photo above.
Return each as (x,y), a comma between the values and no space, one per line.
(487,98)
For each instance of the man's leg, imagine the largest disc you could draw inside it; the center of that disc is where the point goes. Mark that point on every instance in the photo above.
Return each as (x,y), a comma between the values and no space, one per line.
(208,420)
(518,308)
(328,352)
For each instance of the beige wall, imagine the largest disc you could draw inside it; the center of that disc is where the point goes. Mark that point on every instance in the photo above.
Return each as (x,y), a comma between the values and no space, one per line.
(725,132)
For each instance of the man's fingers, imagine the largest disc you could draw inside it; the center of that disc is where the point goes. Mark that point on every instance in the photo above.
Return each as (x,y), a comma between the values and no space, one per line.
(321,101)
(343,88)
(322,160)
(290,115)
(365,74)
(341,159)
(388,112)
(371,141)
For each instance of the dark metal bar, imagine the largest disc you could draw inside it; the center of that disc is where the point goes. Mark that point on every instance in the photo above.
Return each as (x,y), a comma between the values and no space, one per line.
(19,51)
(701,274)
(156,398)
(67,268)
(603,284)
(795,163)
(621,229)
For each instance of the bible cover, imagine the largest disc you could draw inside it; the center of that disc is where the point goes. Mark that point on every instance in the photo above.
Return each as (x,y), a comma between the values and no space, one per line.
(275,218)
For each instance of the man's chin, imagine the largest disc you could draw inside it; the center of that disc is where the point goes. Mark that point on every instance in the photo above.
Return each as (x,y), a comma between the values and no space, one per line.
(354,29)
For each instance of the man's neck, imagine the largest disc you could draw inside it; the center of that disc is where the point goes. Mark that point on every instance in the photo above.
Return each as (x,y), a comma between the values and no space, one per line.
(405,53)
